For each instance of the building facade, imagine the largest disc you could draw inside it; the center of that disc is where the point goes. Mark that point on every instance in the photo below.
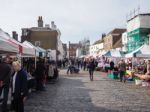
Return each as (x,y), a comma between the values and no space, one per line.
(84,46)
(78,53)
(72,49)
(124,42)
(46,37)
(97,48)
(138,29)
(113,39)
(65,50)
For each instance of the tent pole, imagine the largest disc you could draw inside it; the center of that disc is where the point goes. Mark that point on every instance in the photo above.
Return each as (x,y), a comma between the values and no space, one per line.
(35,59)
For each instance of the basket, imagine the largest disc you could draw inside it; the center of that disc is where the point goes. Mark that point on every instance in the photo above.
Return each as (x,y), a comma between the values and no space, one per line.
(138,82)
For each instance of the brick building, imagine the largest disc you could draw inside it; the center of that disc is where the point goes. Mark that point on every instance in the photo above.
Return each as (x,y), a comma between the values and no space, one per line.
(46,37)
(113,39)
(65,50)
(72,49)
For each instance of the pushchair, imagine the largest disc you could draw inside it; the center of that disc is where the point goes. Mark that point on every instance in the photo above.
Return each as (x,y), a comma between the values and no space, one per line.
(75,69)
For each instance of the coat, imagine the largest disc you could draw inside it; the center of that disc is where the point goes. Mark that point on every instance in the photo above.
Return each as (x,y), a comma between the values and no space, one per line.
(5,73)
(21,89)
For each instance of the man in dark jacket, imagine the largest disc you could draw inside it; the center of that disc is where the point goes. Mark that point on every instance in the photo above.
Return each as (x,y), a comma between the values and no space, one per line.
(19,87)
(5,74)
(40,75)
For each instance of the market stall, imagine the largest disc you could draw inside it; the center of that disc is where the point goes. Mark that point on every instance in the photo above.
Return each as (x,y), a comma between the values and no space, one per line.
(6,46)
(39,51)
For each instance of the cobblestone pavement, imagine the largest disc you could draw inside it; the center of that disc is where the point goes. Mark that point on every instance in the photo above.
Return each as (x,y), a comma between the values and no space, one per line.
(76,93)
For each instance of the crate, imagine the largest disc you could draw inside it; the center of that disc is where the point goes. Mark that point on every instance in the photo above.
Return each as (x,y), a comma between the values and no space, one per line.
(113,75)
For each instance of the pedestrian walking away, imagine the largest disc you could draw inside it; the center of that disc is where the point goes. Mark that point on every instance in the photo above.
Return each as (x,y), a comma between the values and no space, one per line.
(91,67)
(122,69)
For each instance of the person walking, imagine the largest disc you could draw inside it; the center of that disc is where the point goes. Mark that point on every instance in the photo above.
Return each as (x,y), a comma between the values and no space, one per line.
(112,65)
(5,75)
(40,75)
(69,67)
(122,70)
(91,67)
(84,64)
(19,87)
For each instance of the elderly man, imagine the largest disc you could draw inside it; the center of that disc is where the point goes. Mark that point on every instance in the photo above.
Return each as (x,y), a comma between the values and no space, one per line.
(5,74)
(19,87)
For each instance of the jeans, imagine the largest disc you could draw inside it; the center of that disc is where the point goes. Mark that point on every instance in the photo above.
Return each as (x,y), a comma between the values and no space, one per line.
(91,74)
(69,69)
(18,105)
(122,76)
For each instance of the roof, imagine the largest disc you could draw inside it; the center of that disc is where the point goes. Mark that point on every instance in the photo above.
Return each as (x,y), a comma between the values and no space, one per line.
(98,42)
(143,14)
(40,29)
(117,31)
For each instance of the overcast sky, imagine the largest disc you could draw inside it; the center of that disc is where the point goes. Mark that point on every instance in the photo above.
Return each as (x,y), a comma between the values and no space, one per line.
(76,19)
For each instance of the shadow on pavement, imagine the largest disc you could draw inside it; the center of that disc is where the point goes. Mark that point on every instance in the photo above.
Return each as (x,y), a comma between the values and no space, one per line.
(68,95)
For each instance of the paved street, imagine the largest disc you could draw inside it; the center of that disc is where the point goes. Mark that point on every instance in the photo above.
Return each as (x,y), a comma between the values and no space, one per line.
(75,93)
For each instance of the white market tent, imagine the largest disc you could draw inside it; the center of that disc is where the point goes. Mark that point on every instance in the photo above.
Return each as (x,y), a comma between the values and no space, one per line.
(9,45)
(38,49)
(143,51)
(114,53)
(6,46)
(24,50)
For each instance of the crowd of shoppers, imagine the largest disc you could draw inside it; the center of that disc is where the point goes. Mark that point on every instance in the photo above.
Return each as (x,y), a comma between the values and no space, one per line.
(18,78)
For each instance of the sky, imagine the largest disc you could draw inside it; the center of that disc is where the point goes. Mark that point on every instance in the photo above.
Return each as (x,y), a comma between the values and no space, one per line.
(76,19)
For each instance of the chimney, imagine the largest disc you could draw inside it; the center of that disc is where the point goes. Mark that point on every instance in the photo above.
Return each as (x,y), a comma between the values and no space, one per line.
(103,35)
(53,26)
(15,35)
(40,21)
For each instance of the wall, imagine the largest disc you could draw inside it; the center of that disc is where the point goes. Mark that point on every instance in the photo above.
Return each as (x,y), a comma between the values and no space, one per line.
(95,48)
(124,38)
(108,42)
(48,39)
(141,21)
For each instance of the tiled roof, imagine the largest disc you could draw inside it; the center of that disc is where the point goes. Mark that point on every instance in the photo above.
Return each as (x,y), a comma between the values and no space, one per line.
(117,31)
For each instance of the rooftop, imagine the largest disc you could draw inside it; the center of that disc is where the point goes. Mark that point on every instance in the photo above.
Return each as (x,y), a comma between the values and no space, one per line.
(98,42)
(143,14)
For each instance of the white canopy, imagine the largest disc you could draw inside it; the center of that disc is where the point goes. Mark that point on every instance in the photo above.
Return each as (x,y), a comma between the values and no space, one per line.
(114,53)
(6,46)
(23,49)
(38,49)
(143,51)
